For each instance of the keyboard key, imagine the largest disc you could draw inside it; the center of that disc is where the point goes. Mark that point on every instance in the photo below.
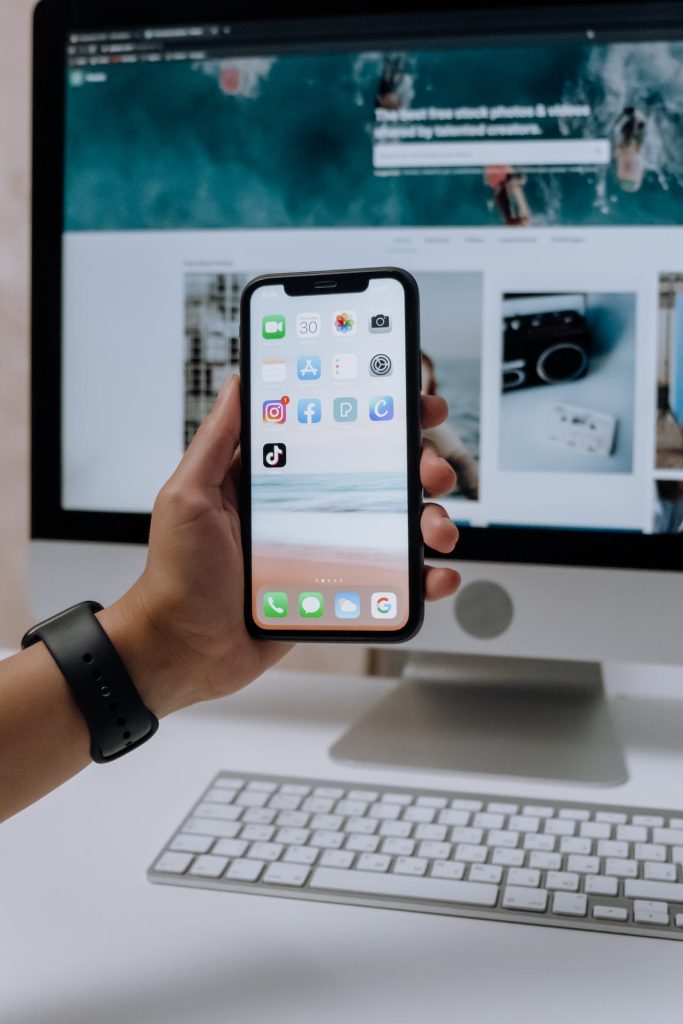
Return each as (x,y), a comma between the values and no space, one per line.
(351,808)
(333,792)
(258,833)
(498,807)
(538,811)
(540,841)
(292,836)
(650,851)
(286,874)
(524,823)
(583,865)
(678,920)
(501,837)
(419,814)
(295,788)
(471,854)
(667,836)
(506,857)
(398,798)
(435,832)
(209,866)
(337,858)
(464,834)
(369,796)
(245,870)
(648,820)
(328,840)
(258,816)
(229,782)
(575,844)
(648,917)
(611,817)
(301,855)
(261,786)
(545,861)
(367,826)
(485,820)
(573,814)
(373,862)
(621,868)
(567,881)
(450,869)
(328,822)
(660,872)
(264,851)
(466,805)
(362,844)
(410,866)
(665,891)
(226,812)
(559,827)
(654,906)
(396,829)
(318,804)
(406,887)
(434,851)
(450,817)
(247,798)
(632,833)
(191,844)
(438,802)
(231,847)
(484,873)
(293,819)
(398,847)
(601,913)
(384,811)
(613,848)
(285,802)
(210,827)
(221,796)
(570,904)
(595,830)
(520,898)
(524,876)
(173,863)
(600,885)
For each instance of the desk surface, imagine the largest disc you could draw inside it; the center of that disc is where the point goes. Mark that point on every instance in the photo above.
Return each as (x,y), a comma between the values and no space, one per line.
(84,937)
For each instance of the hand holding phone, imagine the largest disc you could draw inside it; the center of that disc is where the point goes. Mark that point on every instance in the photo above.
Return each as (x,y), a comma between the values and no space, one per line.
(330,455)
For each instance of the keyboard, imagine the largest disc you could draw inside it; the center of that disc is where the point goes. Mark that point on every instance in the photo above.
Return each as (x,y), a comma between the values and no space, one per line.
(567,865)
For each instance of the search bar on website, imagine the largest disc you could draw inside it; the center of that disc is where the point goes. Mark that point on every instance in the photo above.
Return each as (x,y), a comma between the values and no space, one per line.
(550,152)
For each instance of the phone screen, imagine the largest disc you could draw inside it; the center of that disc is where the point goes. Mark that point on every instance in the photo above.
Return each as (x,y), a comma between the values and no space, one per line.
(329,488)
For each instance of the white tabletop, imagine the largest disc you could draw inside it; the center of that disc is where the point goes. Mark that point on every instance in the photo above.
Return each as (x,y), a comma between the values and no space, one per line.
(85,938)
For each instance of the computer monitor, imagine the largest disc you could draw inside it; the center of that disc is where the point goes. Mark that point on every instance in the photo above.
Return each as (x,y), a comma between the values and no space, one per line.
(525,164)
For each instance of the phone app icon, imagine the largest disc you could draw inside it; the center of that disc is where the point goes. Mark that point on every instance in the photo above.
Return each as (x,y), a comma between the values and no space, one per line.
(382,408)
(347,606)
(274,370)
(308,325)
(345,410)
(274,456)
(344,366)
(380,323)
(310,606)
(380,365)
(344,323)
(308,368)
(309,411)
(275,605)
(275,410)
(273,327)
(384,605)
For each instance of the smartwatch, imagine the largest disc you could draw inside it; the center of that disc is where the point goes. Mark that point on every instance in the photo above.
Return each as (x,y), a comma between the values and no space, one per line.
(116,716)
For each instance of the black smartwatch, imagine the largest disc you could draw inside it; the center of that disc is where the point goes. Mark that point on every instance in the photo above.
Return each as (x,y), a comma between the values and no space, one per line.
(104,692)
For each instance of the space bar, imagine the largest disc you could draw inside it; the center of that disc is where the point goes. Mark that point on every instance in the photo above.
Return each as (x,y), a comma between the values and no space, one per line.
(442,890)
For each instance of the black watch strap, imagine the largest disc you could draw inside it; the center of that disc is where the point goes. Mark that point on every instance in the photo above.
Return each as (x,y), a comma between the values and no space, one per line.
(104,692)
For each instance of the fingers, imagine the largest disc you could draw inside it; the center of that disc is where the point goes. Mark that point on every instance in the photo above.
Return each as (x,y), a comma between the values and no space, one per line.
(209,456)
(438,531)
(436,475)
(440,582)
(434,410)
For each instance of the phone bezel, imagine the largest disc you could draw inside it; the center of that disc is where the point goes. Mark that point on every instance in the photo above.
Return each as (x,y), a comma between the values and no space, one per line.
(344,281)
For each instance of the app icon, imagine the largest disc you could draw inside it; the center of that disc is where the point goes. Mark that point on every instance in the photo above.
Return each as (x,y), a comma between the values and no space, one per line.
(274,370)
(275,410)
(275,605)
(308,367)
(380,365)
(345,410)
(273,327)
(310,410)
(274,456)
(308,325)
(347,606)
(310,606)
(382,408)
(384,605)
(344,366)
(380,323)
(344,323)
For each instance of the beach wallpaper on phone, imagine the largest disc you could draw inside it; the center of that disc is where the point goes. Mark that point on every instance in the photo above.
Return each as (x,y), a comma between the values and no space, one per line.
(329,498)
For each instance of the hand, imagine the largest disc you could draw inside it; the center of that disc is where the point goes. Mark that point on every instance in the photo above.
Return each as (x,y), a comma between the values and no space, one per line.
(180,629)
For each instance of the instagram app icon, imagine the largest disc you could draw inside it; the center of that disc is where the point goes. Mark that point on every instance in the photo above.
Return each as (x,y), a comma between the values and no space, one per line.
(275,410)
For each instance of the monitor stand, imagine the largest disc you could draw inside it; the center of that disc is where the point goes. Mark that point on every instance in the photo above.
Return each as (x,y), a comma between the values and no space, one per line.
(529,718)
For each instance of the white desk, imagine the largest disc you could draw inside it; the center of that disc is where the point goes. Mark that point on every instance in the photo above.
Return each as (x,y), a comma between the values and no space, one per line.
(85,938)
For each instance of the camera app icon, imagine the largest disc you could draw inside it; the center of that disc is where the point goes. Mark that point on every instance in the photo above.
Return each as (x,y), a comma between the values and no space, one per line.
(380,323)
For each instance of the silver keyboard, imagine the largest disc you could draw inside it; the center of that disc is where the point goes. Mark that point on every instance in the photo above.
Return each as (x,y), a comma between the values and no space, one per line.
(568,865)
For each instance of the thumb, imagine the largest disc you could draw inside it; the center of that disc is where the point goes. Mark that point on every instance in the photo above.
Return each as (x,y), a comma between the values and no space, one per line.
(207,460)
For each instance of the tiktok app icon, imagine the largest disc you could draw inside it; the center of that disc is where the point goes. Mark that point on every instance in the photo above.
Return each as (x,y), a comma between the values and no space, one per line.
(274,456)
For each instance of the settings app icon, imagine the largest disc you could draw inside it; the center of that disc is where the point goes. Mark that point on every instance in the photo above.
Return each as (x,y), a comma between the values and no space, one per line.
(380,365)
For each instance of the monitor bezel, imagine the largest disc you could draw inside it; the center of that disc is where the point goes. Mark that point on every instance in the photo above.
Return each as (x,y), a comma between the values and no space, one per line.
(53,19)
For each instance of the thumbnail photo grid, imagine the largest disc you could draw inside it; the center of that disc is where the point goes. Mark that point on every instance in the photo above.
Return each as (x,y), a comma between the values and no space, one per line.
(568,382)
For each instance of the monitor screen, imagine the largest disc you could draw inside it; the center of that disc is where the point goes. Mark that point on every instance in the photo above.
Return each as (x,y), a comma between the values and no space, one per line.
(533,185)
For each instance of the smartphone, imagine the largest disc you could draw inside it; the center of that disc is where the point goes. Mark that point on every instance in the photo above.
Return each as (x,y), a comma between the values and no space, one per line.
(331,496)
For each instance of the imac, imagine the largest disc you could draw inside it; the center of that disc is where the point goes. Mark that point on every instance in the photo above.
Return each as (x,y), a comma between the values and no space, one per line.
(525,165)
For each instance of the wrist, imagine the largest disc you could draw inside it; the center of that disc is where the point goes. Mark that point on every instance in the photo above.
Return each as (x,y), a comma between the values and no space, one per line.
(164,684)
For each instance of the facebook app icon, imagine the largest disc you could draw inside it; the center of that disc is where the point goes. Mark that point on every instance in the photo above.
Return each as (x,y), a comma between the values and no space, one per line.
(310,410)
(382,408)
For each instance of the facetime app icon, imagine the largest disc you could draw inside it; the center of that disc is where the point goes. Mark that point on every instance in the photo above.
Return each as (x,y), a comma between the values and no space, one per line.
(273,327)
